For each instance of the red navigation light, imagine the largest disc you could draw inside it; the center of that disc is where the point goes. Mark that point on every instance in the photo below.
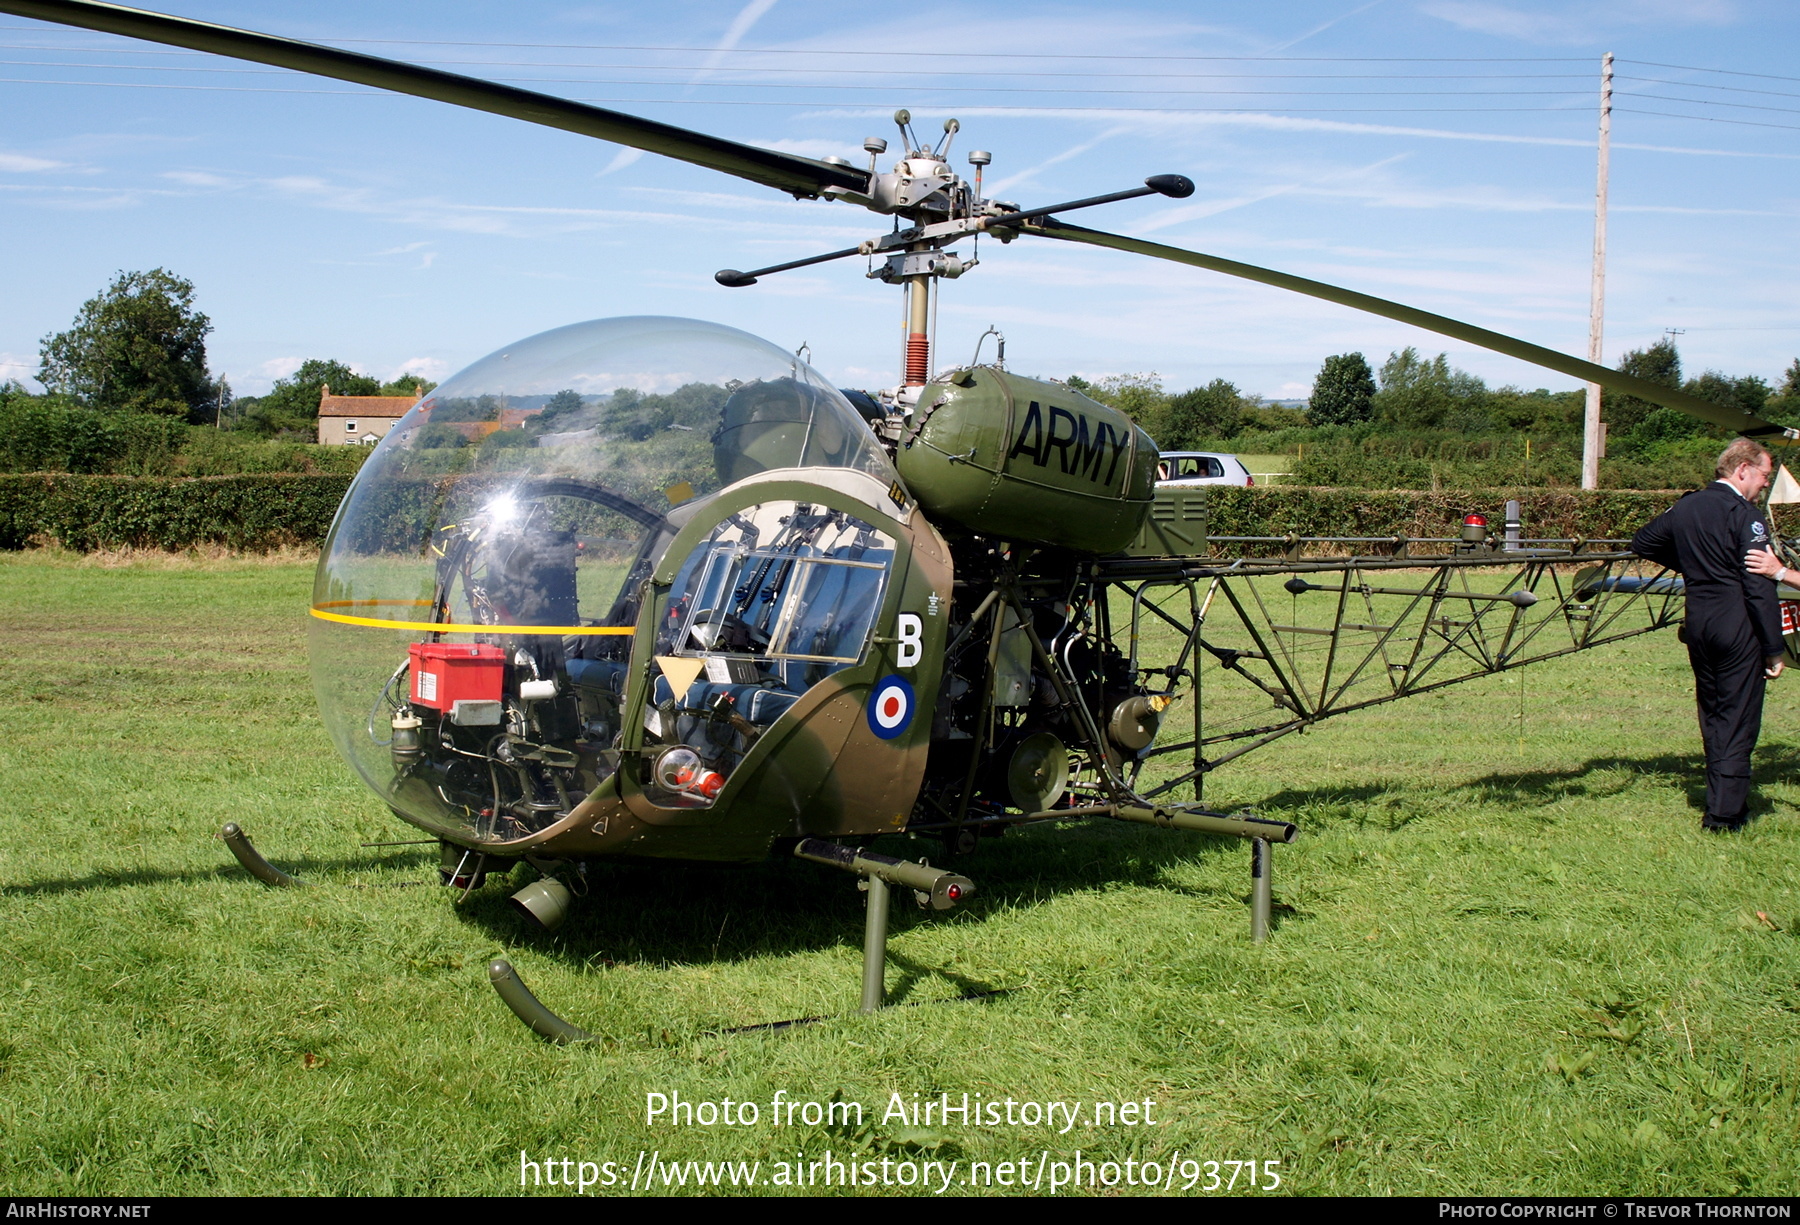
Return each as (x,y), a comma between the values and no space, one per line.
(954,893)
(1474,520)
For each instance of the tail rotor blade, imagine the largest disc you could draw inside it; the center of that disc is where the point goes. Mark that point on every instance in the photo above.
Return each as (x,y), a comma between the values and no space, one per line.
(1746,424)
(801,176)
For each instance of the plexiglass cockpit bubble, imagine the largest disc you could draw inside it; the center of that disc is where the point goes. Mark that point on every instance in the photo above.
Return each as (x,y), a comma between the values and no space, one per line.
(492,553)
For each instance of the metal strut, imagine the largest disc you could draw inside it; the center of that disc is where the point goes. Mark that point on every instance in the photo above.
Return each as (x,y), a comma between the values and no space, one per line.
(1260,900)
(252,859)
(937,888)
(529,1009)
(1261,832)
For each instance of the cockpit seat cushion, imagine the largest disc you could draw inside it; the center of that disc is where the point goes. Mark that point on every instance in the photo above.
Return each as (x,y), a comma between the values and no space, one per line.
(603,674)
(761,704)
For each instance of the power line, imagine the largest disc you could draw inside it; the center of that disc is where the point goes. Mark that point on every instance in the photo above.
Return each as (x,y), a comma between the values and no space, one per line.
(1766,76)
(1318,93)
(1742,106)
(373,91)
(1747,123)
(1736,89)
(976,55)
(907,73)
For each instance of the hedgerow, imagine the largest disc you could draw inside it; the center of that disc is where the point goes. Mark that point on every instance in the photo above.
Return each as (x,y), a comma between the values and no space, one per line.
(1605,514)
(251,513)
(264,511)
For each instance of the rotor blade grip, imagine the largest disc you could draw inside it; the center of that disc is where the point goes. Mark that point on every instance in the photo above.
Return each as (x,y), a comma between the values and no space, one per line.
(783,171)
(1743,423)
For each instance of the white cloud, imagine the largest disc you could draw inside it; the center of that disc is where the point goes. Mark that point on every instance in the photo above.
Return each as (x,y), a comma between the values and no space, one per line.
(1577,23)
(1506,22)
(18,163)
(433,368)
(622,159)
(197,178)
(814,148)
(1208,208)
(1026,176)
(1162,120)
(1212,208)
(304,185)
(17,368)
(1320,29)
(747,17)
(279,367)
(1109,31)
(536,221)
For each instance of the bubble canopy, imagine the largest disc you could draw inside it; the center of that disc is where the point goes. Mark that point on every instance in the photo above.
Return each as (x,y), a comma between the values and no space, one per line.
(538,488)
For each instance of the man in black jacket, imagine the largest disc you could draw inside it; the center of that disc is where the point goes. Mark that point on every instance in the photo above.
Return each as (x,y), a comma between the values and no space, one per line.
(1733,629)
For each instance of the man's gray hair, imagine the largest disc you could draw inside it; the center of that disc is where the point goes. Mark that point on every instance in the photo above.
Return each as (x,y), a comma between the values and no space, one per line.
(1741,451)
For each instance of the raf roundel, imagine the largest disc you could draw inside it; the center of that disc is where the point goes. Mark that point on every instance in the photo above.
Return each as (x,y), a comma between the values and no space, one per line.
(890,707)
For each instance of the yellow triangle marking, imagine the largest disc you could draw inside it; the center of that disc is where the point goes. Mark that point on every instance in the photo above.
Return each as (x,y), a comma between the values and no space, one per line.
(681,672)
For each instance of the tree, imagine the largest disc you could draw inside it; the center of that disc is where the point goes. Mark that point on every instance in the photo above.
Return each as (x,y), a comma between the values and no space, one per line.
(405,385)
(1784,405)
(1204,414)
(1139,396)
(1420,394)
(292,406)
(1749,393)
(1661,426)
(138,347)
(1343,392)
(564,402)
(1660,363)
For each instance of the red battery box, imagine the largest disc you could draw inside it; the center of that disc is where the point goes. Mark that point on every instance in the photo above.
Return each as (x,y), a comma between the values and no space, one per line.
(445,673)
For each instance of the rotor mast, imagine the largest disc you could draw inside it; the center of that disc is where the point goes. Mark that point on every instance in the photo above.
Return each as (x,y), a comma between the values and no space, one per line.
(917,358)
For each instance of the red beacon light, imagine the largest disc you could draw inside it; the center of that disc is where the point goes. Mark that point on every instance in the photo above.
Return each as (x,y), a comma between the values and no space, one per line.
(1474,520)
(1474,530)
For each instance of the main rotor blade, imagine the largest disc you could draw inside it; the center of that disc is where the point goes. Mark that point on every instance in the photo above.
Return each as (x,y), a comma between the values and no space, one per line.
(801,176)
(1747,424)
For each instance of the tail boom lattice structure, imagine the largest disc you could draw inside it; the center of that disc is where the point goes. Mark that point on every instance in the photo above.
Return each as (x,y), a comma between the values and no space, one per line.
(1307,639)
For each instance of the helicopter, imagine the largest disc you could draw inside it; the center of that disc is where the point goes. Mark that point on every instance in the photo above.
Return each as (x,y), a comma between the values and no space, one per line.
(653,588)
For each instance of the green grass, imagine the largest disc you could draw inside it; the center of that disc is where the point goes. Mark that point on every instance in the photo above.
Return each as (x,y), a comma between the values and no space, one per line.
(1268,469)
(1507,960)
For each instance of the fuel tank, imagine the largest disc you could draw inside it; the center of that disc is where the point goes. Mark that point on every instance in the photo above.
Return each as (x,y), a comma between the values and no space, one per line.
(1028,461)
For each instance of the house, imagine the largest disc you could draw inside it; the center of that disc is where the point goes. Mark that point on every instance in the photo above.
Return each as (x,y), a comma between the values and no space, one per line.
(359,419)
(509,419)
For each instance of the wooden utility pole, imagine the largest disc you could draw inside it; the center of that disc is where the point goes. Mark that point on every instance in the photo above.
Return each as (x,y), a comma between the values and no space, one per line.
(1593,436)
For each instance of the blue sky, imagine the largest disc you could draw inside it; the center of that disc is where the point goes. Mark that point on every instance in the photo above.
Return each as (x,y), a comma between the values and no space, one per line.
(1440,152)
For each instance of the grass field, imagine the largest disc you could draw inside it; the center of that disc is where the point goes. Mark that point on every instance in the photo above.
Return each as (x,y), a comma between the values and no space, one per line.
(1268,469)
(1507,959)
